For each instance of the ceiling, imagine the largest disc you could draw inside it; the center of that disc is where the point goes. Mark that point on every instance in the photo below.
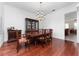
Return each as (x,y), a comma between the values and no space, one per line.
(44,8)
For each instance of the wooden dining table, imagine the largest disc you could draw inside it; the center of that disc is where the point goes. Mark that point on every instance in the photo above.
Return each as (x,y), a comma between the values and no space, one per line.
(34,37)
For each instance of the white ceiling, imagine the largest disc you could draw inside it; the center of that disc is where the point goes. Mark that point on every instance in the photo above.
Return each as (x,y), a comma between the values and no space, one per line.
(34,7)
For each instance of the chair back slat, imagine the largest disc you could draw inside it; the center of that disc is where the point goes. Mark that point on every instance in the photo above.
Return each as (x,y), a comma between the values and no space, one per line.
(18,35)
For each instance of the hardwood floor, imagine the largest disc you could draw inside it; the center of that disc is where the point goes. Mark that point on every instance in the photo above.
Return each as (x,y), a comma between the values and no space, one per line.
(57,48)
(71,37)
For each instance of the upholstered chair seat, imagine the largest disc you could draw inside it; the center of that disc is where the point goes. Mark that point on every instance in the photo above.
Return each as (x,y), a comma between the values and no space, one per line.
(22,40)
(48,36)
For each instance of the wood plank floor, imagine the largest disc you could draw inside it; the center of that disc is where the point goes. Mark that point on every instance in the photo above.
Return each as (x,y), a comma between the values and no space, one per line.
(57,48)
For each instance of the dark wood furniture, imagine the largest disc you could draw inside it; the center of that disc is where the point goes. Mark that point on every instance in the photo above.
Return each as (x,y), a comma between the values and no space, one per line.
(12,35)
(66,32)
(43,36)
(49,35)
(22,40)
(33,31)
(73,31)
(70,31)
(31,25)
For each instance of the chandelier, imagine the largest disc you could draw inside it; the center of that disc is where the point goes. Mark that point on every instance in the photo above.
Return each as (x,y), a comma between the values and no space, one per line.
(40,13)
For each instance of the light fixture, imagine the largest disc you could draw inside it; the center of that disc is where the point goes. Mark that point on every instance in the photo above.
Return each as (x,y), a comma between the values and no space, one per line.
(40,15)
(40,12)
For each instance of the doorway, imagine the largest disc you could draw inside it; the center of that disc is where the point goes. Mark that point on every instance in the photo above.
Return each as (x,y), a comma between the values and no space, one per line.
(71,26)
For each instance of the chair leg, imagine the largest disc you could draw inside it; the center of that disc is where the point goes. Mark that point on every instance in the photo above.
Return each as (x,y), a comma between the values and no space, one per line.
(51,40)
(43,43)
(35,43)
(27,45)
(18,48)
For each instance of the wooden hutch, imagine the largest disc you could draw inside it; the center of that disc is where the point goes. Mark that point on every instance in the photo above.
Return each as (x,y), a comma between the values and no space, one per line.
(31,25)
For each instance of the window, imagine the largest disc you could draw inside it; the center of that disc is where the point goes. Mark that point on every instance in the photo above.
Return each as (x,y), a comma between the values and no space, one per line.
(75,25)
(66,25)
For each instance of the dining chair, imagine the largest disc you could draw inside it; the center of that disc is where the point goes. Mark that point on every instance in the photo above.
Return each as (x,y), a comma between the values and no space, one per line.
(49,35)
(42,38)
(22,40)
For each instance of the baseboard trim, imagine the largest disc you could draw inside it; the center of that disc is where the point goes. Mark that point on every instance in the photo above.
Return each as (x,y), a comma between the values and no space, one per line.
(64,40)
(69,41)
(57,38)
(3,44)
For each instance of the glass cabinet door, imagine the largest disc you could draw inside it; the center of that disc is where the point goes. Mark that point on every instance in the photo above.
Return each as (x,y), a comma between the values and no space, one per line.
(37,25)
(33,27)
(28,25)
